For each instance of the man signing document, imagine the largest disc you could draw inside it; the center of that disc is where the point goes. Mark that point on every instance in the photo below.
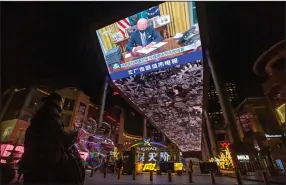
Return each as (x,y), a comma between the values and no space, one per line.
(143,37)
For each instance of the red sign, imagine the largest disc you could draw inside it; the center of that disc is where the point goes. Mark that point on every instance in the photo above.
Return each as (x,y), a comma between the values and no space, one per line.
(111,118)
(6,148)
(225,144)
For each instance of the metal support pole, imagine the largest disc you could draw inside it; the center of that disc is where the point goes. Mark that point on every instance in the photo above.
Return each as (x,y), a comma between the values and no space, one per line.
(145,128)
(190,176)
(91,172)
(227,111)
(169,176)
(134,173)
(104,172)
(265,178)
(211,134)
(151,175)
(102,103)
(118,173)
(212,177)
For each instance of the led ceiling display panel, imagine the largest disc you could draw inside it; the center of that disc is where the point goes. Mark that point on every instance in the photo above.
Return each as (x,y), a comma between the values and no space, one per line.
(154,57)
(172,100)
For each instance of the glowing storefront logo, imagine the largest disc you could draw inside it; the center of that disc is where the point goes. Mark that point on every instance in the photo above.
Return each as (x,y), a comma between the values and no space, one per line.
(243,157)
(147,143)
(272,136)
(149,166)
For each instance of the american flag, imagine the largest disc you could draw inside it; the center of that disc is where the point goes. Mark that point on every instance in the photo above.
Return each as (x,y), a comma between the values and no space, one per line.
(122,25)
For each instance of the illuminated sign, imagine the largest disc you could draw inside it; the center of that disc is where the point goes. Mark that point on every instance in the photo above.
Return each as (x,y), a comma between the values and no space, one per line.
(147,148)
(147,145)
(111,118)
(165,156)
(243,157)
(224,144)
(149,166)
(178,166)
(146,142)
(6,148)
(152,156)
(141,157)
(272,136)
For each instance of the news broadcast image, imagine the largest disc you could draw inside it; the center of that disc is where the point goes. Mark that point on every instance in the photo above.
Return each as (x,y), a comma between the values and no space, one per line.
(154,57)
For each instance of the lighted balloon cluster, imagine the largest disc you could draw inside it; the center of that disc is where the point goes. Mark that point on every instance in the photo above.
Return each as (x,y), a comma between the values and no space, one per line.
(94,148)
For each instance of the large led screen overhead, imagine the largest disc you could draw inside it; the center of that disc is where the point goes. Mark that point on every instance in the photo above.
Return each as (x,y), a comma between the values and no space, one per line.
(154,57)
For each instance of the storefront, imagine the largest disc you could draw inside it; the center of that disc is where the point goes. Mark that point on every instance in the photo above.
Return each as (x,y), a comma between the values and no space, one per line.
(151,155)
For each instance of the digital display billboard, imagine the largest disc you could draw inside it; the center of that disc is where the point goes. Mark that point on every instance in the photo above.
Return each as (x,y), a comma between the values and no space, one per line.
(154,57)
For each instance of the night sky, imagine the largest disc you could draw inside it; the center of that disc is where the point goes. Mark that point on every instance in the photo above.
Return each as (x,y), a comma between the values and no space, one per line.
(51,44)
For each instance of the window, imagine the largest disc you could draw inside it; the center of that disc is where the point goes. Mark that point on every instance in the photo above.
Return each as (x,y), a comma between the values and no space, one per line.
(281,113)
(68,104)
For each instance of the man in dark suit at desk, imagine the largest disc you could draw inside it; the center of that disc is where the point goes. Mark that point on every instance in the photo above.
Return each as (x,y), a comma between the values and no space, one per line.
(144,36)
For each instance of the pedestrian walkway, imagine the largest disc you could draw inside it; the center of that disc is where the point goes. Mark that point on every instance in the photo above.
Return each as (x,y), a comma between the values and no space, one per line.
(111,179)
(274,180)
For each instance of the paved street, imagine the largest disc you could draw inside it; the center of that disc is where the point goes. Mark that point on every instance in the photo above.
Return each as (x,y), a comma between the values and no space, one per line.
(162,179)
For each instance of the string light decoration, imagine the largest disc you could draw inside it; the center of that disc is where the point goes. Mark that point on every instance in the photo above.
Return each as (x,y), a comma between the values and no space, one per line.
(224,159)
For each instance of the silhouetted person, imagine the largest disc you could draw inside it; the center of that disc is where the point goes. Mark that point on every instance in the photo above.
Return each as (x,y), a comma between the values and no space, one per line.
(119,164)
(45,139)
(191,166)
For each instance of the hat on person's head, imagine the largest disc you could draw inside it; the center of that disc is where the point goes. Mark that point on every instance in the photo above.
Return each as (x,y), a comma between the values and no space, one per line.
(54,97)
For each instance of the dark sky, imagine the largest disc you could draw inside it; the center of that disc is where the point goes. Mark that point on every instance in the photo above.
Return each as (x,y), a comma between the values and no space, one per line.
(241,32)
(50,43)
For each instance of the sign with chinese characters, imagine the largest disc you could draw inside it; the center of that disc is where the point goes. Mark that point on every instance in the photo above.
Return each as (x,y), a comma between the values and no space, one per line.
(243,157)
(153,157)
(164,156)
(183,59)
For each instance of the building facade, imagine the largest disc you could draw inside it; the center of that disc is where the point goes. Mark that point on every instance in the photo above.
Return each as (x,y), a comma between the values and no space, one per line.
(260,132)
(270,67)
(19,106)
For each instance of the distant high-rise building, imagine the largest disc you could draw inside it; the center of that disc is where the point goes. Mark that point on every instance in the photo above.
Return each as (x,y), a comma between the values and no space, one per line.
(215,112)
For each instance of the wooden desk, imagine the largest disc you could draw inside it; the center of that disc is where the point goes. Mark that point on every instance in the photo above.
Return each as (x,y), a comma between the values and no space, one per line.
(171,44)
(163,30)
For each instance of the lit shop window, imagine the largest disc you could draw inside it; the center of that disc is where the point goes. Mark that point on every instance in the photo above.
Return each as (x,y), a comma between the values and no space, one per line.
(281,113)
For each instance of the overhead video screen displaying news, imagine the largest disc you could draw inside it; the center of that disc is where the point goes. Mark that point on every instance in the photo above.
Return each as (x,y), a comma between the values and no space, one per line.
(154,57)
